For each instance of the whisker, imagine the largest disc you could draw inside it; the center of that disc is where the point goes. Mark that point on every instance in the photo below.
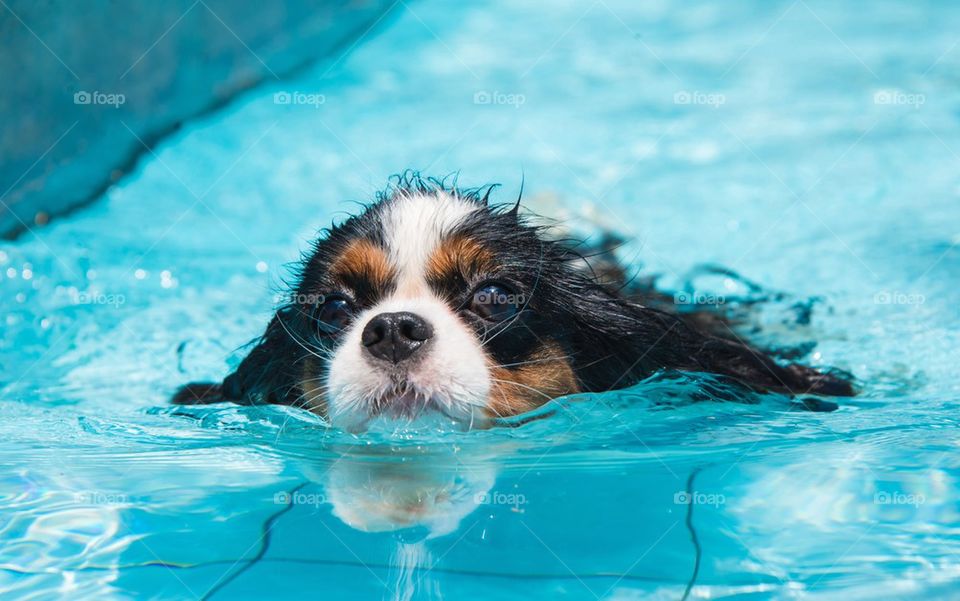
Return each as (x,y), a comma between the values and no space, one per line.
(307,405)
(533,361)
(297,340)
(540,392)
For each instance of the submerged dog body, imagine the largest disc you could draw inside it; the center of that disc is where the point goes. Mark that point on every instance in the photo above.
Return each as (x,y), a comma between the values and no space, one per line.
(434,300)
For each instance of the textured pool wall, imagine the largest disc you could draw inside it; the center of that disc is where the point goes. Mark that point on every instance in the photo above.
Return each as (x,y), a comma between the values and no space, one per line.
(89,86)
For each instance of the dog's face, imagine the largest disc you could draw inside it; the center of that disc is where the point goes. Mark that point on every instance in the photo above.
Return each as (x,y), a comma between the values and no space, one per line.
(430,301)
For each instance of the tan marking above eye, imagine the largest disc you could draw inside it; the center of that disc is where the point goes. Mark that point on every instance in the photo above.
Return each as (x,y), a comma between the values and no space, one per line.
(362,264)
(460,256)
(545,375)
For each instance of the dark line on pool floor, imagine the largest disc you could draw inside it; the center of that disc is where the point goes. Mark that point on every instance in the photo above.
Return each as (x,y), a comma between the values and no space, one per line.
(379,566)
(265,537)
(693,535)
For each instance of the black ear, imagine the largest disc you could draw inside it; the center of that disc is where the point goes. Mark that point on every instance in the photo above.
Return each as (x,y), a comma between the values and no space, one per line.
(754,369)
(266,375)
(617,343)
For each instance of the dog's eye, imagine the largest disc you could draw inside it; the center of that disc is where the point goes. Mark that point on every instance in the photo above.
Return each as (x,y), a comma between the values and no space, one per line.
(495,302)
(333,314)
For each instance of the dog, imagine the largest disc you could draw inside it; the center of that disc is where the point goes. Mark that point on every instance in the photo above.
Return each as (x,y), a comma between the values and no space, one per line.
(435,301)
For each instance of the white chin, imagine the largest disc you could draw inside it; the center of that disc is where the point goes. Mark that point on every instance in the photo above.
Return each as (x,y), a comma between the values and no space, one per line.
(409,412)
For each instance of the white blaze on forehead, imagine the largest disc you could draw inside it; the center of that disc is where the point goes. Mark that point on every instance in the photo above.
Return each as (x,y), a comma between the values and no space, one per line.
(414,226)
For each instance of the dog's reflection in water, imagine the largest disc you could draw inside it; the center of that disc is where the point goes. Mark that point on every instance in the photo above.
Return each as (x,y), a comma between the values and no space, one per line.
(420,495)
(386,489)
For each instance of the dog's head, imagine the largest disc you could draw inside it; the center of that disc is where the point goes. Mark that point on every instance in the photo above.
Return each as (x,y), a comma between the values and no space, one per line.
(427,304)
(430,300)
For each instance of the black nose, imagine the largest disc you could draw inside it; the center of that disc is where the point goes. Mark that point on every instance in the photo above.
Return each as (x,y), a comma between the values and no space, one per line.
(395,336)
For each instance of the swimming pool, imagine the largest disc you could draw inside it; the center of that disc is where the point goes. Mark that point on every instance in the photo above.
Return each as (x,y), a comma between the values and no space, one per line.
(809,146)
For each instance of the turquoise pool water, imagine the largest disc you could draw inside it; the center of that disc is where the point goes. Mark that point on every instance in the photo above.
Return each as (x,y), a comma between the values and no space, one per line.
(810,146)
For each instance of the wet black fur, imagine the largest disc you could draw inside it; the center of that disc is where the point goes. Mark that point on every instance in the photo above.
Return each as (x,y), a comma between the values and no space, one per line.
(611,331)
